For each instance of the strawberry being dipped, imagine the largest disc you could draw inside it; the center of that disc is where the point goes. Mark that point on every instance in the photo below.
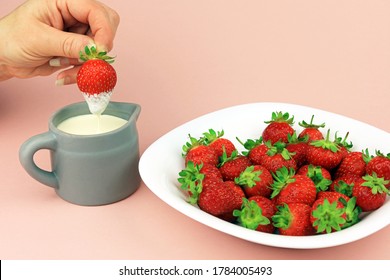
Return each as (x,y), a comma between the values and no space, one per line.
(96,79)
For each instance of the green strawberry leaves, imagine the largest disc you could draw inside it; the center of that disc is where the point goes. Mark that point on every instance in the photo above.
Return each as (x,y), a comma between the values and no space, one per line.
(92,53)
(250,216)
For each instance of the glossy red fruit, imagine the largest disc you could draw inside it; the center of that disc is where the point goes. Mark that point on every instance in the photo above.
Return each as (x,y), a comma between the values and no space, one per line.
(278,128)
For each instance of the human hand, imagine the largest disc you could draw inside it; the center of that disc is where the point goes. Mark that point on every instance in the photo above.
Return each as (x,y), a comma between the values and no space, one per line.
(44,36)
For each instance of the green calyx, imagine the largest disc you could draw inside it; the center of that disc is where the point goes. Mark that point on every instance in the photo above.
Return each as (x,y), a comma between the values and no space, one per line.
(343,141)
(191,144)
(328,217)
(250,144)
(352,212)
(248,177)
(283,217)
(191,179)
(282,177)
(311,124)
(315,174)
(344,188)
(250,216)
(326,144)
(224,158)
(212,135)
(377,184)
(278,148)
(294,139)
(92,53)
(281,117)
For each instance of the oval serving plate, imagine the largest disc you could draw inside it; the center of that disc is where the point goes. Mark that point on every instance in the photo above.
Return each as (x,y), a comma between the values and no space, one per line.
(164,158)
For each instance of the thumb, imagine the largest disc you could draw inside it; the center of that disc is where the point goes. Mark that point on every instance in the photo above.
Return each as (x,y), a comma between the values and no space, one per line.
(66,44)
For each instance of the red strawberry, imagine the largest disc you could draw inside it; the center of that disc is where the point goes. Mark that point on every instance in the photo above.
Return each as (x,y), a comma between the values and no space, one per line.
(193,177)
(298,148)
(276,157)
(344,184)
(319,175)
(278,128)
(220,198)
(289,187)
(293,219)
(370,192)
(311,130)
(332,196)
(218,143)
(198,153)
(380,164)
(325,153)
(256,213)
(328,216)
(231,167)
(255,180)
(353,163)
(352,211)
(96,75)
(255,149)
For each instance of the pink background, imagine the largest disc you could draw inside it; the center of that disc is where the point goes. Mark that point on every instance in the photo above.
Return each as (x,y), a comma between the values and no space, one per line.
(179,60)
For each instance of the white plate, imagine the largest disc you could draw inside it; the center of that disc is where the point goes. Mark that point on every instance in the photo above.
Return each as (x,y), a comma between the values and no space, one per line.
(161,162)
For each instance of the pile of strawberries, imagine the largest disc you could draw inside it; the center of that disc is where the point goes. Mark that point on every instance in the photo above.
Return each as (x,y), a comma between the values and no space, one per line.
(286,182)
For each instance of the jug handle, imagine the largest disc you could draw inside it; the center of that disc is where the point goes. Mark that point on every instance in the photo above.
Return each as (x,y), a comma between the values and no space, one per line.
(26,157)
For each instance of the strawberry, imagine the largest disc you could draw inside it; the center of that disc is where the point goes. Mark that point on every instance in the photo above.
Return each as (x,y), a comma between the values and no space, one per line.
(255,180)
(193,177)
(328,216)
(198,153)
(96,79)
(370,192)
(256,213)
(255,149)
(218,143)
(278,128)
(325,153)
(380,164)
(231,167)
(344,184)
(353,163)
(312,131)
(289,187)
(276,157)
(220,198)
(298,148)
(332,196)
(293,219)
(319,175)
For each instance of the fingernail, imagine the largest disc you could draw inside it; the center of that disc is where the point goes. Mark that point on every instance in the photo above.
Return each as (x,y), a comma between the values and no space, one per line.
(55,62)
(58,62)
(60,82)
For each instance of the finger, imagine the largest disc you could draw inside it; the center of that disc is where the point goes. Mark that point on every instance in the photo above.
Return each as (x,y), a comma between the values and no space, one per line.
(67,77)
(63,44)
(102,20)
(64,62)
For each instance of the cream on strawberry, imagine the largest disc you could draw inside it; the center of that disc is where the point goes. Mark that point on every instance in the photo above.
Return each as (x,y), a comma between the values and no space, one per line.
(96,79)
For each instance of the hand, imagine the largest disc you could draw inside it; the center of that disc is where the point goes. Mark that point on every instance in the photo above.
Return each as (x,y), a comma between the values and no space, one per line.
(43,36)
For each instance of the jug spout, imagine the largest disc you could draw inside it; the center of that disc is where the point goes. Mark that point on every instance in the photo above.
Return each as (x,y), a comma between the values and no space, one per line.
(124,110)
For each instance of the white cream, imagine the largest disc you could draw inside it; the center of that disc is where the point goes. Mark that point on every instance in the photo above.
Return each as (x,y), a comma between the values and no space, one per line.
(91,124)
(97,103)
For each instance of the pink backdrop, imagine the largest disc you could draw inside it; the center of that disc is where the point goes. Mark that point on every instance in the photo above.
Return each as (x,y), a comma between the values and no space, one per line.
(179,60)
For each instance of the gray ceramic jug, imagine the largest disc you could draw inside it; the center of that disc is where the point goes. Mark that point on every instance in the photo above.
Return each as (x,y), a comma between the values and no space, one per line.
(88,169)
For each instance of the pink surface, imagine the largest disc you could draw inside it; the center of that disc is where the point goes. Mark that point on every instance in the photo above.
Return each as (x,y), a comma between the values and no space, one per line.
(179,60)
